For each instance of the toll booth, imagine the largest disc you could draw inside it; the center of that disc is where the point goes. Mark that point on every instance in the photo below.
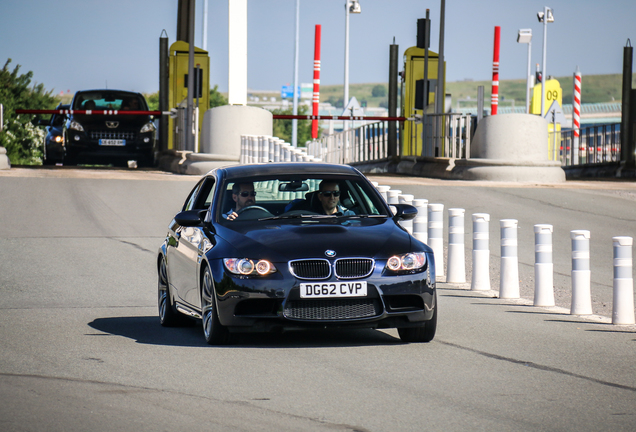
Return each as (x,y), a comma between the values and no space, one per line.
(553,93)
(412,89)
(178,82)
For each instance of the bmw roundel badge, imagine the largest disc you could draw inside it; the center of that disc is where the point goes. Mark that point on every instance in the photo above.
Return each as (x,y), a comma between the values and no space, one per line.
(330,253)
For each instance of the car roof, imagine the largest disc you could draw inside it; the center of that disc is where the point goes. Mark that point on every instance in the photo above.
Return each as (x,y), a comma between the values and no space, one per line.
(107,90)
(284,168)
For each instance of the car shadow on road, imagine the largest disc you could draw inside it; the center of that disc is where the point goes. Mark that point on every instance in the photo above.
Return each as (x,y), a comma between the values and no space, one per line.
(147,330)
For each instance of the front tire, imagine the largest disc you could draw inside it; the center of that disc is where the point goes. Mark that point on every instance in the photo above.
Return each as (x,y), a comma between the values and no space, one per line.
(214,332)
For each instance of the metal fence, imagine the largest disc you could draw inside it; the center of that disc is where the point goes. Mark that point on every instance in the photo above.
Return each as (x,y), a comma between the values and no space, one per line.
(596,144)
(365,143)
(445,135)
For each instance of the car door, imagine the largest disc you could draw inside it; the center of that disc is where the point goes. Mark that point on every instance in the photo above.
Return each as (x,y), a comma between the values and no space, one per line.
(184,255)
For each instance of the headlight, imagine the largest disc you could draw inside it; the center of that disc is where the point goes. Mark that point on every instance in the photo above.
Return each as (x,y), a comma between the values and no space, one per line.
(406,262)
(148,127)
(248,267)
(57,139)
(76,126)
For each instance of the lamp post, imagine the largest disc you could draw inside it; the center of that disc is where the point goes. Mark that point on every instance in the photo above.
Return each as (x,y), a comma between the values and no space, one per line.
(351,6)
(545,17)
(525,36)
(295,91)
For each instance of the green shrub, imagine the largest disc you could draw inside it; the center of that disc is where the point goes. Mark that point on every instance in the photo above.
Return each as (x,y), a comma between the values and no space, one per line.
(23,141)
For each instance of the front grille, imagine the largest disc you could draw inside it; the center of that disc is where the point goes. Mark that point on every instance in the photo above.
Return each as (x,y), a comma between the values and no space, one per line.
(310,269)
(325,310)
(350,268)
(113,135)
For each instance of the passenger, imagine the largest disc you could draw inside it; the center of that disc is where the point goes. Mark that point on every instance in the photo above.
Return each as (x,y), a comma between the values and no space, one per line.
(89,105)
(329,196)
(130,105)
(243,195)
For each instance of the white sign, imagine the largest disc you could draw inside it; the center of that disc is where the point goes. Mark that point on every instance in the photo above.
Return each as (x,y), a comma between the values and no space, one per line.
(353,108)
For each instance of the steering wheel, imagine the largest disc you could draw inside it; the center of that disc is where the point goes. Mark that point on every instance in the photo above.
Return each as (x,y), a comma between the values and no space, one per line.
(254,207)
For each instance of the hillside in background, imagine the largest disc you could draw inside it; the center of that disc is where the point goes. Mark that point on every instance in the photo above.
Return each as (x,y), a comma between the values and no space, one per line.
(594,89)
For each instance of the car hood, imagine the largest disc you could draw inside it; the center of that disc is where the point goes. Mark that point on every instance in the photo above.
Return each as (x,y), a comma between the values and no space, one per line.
(377,238)
(98,121)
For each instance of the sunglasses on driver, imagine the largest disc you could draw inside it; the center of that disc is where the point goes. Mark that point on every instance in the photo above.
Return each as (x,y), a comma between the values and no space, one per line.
(245,194)
(329,193)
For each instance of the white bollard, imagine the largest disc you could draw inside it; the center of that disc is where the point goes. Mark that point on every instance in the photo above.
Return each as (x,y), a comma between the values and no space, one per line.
(543,267)
(263,148)
(581,274)
(509,271)
(481,253)
(271,141)
(383,189)
(393,196)
(242,153)
(623,307)
(420,223)
(277,150)
(286,153)
(456,267)
(436,235)
(406,224)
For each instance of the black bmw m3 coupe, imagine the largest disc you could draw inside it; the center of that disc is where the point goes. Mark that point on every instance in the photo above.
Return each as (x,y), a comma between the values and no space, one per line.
(294,245)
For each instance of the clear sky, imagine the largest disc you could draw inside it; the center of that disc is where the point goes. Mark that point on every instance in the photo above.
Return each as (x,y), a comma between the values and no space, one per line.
(80,44)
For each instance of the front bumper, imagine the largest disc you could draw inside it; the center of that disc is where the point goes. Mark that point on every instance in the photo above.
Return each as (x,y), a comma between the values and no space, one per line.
(273,302)
(88,144)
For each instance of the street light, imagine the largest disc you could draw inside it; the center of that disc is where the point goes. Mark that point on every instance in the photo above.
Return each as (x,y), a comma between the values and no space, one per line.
(545,17)
(525,36)
(351,6)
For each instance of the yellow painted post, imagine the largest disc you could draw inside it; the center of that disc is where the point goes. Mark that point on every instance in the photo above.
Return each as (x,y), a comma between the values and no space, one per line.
(179,52)
(413,72)
(553,92)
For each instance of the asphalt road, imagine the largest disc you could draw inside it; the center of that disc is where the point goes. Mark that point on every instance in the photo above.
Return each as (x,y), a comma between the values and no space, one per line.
(82,348)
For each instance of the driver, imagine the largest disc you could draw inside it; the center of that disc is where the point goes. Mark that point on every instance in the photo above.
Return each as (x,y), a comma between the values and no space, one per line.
(243,195)
(329,196)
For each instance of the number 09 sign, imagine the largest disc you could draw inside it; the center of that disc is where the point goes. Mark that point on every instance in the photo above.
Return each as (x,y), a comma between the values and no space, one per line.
(553,93)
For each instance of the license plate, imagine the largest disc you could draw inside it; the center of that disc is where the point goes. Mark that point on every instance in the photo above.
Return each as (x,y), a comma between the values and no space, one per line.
(112,142)
(333,289)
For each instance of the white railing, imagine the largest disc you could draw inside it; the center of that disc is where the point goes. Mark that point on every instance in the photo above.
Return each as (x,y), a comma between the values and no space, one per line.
(445,135)
(365,143)
(597,144)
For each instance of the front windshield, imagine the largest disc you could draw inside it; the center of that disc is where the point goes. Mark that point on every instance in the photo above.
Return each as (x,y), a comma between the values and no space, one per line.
(109,100)
(299,197)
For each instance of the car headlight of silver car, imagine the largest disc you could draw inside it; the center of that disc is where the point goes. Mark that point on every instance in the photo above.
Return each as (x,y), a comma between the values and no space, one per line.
(411,261)
(76,126)
(148,127)
(248,267)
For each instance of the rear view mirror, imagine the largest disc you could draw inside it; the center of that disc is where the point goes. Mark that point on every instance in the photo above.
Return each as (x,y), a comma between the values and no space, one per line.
(293,186)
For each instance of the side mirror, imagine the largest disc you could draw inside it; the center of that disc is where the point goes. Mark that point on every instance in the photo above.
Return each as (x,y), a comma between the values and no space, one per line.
(190,218)
(404,212)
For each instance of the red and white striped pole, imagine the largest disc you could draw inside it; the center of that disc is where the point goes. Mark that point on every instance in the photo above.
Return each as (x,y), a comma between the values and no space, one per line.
(316,99)
(576,116)
(494,102)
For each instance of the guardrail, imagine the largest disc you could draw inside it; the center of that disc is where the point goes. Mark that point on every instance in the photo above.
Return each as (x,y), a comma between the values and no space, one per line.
(597,144)
(365,143)
(445,135)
